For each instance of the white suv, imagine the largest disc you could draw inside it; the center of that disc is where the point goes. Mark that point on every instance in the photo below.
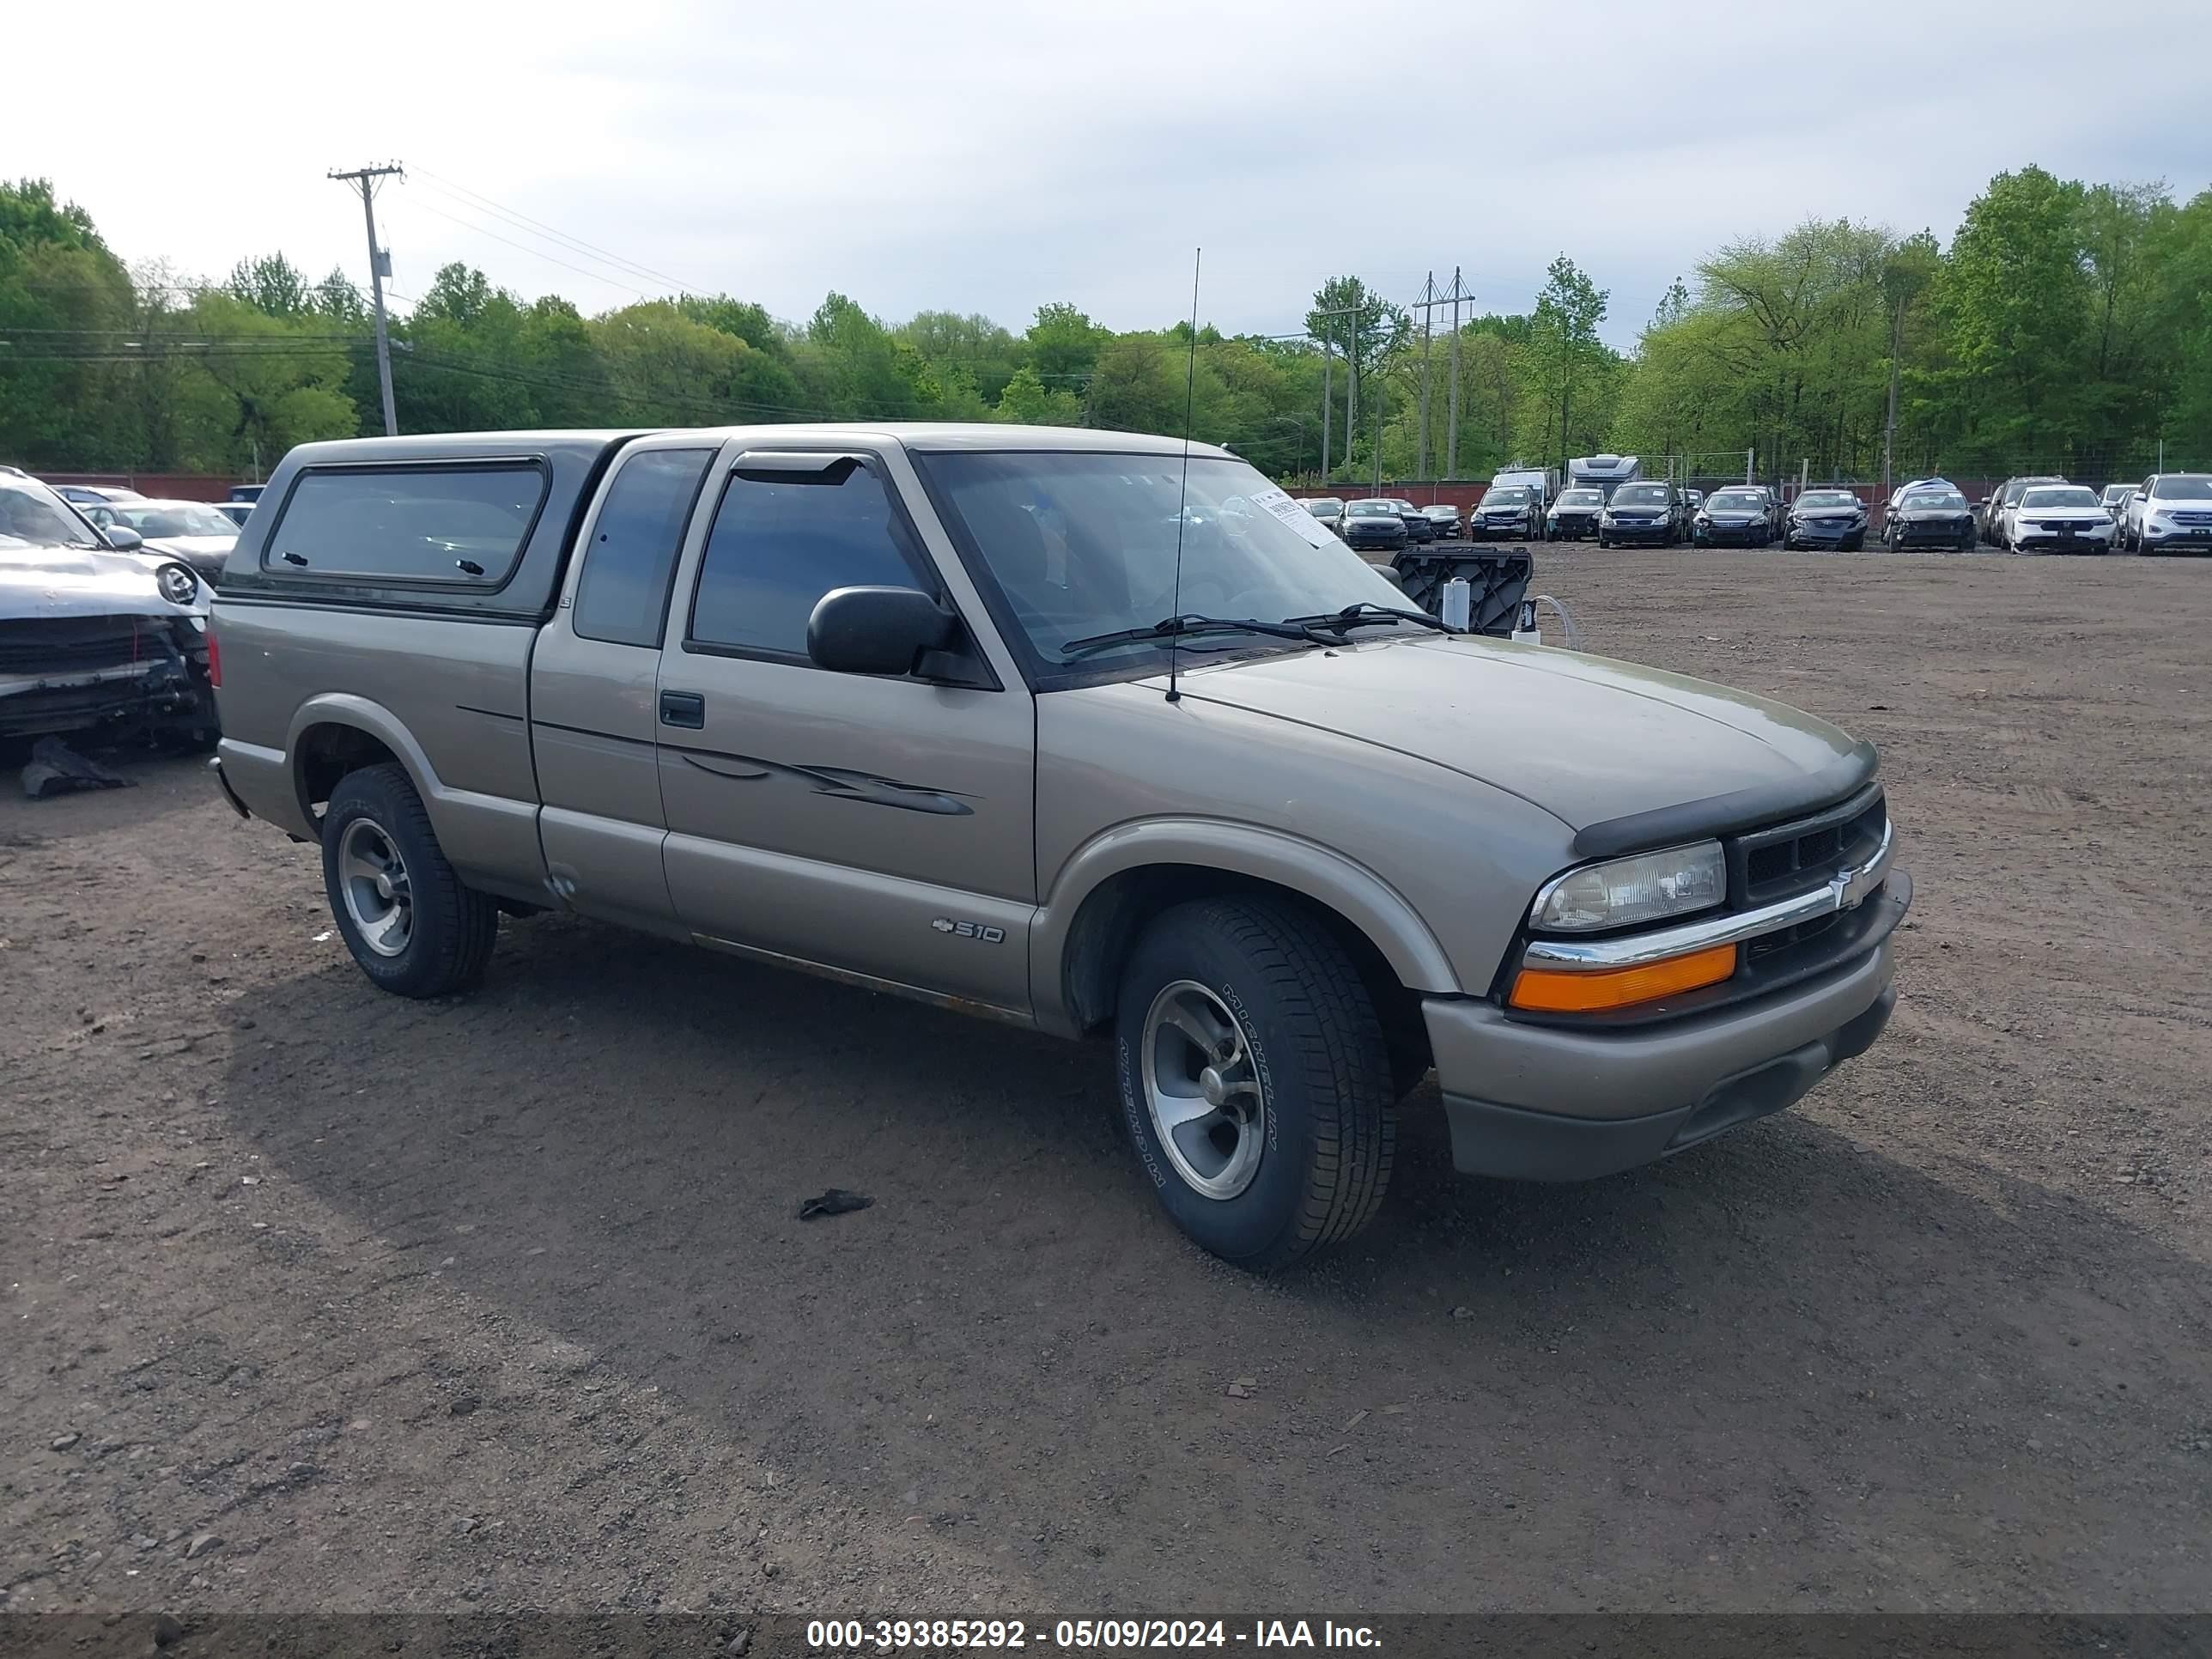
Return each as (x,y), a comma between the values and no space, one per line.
(2171,514)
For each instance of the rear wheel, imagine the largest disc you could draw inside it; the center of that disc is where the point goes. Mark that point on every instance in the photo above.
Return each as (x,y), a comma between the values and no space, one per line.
(411,925)
(1255,1080)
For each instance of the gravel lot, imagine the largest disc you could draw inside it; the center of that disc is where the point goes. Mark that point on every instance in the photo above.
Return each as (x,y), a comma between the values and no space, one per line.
(317,1299)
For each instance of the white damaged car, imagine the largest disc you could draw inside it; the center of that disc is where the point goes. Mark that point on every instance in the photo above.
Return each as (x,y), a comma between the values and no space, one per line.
(96,637)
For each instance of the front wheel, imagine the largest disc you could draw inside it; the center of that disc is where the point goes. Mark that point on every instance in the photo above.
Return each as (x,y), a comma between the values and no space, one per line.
(1255,1080)
(411,925)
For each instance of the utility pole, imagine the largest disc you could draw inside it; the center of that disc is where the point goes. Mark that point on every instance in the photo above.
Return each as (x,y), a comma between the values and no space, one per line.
(1352,361)
(1324,407)
(379,267)
(1379,444)
(1428,307)
(1451,432)
(1352,390)
(1889,427)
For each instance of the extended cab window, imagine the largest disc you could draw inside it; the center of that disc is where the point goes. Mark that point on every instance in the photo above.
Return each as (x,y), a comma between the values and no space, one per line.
(622,593)
(463,524)
(779,545)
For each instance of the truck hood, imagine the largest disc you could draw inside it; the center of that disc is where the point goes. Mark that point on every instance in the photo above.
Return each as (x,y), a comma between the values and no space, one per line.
(42,582)
(1586,738)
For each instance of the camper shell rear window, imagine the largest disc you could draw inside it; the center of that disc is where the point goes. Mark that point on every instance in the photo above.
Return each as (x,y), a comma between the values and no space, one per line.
(445,524)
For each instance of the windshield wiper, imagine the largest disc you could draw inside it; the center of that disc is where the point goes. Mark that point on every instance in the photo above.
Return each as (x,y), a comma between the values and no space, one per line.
(1367,611)
(1184,626)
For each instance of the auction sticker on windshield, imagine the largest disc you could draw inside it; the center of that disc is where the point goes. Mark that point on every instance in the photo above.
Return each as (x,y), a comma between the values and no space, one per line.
(1294,515)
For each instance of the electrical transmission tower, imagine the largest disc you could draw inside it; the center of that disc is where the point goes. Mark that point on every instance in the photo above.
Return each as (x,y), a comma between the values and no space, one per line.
(1431,298)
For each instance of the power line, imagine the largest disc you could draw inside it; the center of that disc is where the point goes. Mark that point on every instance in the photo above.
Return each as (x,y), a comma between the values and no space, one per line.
(535,254)
(460,193)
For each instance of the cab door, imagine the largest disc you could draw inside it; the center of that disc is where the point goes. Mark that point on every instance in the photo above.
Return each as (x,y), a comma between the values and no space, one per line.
(593,676)
(880,827)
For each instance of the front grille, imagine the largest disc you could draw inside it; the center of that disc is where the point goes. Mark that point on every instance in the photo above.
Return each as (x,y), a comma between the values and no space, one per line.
(64,645)
(1785,859)
(2193,519)
(1773,944)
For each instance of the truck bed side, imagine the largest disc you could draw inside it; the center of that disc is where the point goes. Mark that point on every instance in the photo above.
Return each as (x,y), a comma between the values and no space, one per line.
(325,669)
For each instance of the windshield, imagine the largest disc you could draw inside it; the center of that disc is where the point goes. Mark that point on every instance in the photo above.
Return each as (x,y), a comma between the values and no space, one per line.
(31,515)
(1581,498)
(2183,490)
(1372,510)
(2071,495)
(1082,545)
(1640,495)
(1738,501)
(1511,496)
(1935,501)
(1324,509)
(1827,498)
(152,519)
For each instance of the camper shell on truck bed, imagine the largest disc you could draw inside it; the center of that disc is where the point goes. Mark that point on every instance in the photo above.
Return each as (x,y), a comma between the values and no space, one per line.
(1094,733)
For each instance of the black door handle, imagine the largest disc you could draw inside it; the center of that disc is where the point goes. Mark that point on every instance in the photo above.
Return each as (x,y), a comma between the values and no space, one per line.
(682,708)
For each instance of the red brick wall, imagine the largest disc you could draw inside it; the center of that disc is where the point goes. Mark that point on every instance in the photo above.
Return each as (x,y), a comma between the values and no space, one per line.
(159,486)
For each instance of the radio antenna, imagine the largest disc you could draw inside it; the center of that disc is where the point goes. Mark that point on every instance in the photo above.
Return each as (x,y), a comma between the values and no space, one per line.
(1182,502)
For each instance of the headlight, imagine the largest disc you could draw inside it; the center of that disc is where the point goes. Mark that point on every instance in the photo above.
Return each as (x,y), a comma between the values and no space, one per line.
(1703,517)
(177,584)
(1624,892)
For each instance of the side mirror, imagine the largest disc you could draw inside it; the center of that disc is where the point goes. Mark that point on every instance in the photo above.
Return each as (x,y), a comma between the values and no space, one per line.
(878,630)
(122,538)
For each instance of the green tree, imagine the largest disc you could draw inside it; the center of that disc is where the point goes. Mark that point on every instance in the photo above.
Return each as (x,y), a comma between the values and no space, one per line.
(1028,401)
(66,307)
(1568,352)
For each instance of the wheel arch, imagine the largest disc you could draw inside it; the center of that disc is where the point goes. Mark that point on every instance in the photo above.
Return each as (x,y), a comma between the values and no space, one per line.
(1106,894)
(337,733)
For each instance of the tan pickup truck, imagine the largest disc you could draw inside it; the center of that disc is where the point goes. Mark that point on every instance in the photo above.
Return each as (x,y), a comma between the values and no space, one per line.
(1091,732)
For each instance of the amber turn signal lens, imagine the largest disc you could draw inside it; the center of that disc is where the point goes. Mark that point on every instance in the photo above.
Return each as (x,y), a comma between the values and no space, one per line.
(1549,990)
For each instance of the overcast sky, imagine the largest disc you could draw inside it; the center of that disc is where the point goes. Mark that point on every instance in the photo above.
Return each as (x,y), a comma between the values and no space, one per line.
(990,157)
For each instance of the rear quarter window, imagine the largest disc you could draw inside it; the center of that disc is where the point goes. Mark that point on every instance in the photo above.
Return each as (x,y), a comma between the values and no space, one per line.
(452,524)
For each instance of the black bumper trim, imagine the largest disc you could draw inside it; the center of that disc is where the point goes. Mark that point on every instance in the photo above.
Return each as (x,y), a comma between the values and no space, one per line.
(1513,1145)
(223,781)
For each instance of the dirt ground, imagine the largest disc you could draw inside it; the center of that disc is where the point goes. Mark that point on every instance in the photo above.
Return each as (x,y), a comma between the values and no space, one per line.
(315,1300)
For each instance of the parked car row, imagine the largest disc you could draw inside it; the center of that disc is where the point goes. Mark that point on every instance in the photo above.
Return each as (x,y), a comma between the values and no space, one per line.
(1366,523)
(2166,513)
(2169,511)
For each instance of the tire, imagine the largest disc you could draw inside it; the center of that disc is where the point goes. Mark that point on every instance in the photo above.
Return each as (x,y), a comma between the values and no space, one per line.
(1273,982)
(442,939)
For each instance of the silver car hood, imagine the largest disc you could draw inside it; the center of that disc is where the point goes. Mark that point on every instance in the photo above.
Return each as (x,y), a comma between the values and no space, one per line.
(1587,738)
(189,548)
(44,582)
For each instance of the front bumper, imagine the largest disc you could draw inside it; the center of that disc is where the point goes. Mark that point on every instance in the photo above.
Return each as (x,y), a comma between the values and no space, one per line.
(1935,532)
(1505,531)
(2192,540)
(55,682)
(1660,532)
(1833,535)
(1547,1102)
(1731,535)
(2044,541)
(1363,541)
